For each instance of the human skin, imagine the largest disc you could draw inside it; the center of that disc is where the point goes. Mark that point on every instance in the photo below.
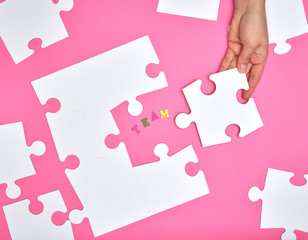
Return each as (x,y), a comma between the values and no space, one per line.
(247,42)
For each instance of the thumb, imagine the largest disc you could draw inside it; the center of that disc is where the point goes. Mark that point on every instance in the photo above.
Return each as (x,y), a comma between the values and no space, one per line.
(244,58)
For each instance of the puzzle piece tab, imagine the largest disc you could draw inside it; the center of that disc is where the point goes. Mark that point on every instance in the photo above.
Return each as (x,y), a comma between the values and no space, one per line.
(23,225)
(15,162)
(165,183)
(23,20)
(285,19)
(204,9)
(214,113)
(283,204)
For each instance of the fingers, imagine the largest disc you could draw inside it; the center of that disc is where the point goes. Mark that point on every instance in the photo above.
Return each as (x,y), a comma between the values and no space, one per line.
(255,76)
(244,59)
(233,63)
(227,60)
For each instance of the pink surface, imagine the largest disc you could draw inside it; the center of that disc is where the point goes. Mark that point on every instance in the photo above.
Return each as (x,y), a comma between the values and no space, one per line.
(188,49)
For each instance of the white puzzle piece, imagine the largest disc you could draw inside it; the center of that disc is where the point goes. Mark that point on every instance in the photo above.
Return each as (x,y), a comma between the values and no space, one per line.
(15,162)
(165,183)
(24,225)
(23,20)
(87,92)
(283,204)
(204,9)
(104,182)
(99,84)
(285,19)
(214,113)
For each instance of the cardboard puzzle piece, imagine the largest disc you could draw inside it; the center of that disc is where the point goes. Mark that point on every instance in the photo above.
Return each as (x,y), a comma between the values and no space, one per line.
(24,225)
(15,162)
(285,19)
(23,20)
(95,86)
(283,204)
(143,132)
(165,184)
(204,9)
(104,181)
(214,113)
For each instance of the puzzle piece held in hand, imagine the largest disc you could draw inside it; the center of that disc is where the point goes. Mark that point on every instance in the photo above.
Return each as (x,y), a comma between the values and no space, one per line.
(204,9)
(15,162)
(25,225)
(283,204)
(214,113)
(23,20)
(165,183)
(285,19)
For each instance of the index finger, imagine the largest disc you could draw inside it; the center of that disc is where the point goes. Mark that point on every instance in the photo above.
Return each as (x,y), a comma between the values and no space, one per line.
(254,79)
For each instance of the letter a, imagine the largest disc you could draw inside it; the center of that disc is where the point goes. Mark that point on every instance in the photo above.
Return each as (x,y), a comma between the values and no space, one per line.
(154,116)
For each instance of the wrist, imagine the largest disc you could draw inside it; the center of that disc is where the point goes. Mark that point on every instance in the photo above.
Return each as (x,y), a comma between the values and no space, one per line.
(252,6)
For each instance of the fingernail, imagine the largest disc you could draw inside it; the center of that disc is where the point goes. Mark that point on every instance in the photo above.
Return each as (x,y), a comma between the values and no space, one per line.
(243,68)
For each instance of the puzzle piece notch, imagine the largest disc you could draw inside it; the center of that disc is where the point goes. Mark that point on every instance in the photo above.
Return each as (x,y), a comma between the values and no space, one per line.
(166,184)
(208,87)
(214,113)
(23,21)
(233,131)
(24,225)
(36,207)
(15,152)
(298,180)
(283,205)
(192,169)
(153,70)
(112,141)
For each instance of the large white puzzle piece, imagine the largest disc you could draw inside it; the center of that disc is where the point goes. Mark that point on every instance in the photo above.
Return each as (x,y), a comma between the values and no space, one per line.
(204,9)
(95,86)
(104,182)
(87,91)
(23,20)
(23,225)
(214,113)
(15,162)
(283,204)
(165,183)
(285,19)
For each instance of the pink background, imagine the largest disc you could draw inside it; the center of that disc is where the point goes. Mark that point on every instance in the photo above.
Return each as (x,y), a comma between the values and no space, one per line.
(188,49)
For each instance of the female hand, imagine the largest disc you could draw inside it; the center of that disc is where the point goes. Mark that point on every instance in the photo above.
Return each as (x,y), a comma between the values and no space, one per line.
(247,41)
